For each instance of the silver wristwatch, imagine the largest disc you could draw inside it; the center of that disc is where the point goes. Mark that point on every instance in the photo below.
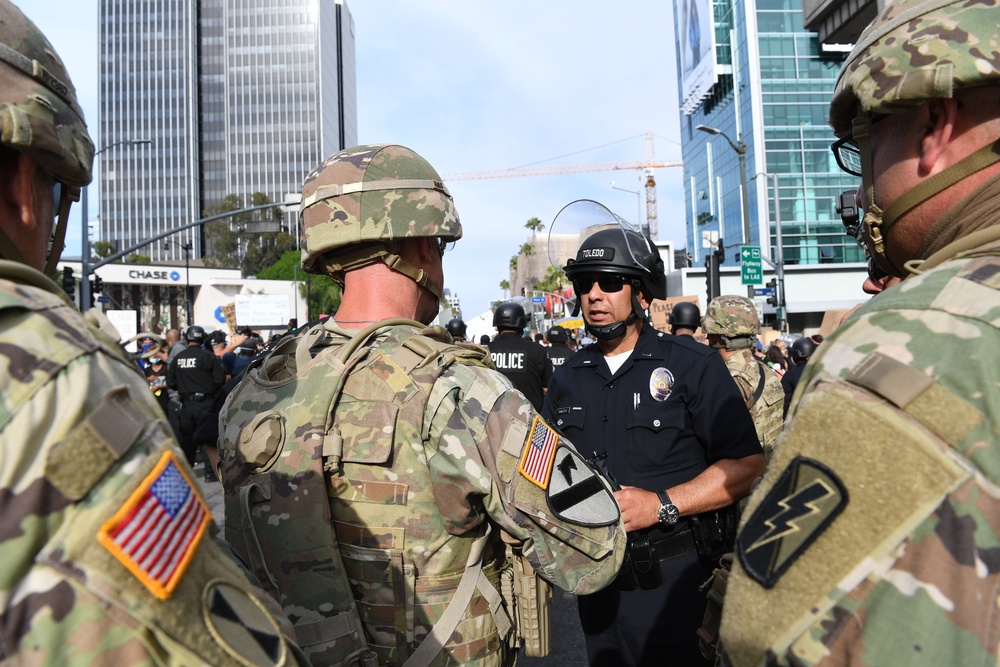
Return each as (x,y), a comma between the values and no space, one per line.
(668,514)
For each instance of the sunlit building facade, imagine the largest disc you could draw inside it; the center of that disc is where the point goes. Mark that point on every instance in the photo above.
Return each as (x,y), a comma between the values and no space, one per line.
(228,97)
(751,70)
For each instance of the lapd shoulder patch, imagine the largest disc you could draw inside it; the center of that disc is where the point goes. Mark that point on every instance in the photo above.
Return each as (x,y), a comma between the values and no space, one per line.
(576,492)
(156,533)
(539,450)
(803,502)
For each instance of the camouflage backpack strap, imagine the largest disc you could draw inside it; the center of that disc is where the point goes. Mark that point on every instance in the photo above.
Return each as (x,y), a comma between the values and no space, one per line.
(275,470)
(430,349)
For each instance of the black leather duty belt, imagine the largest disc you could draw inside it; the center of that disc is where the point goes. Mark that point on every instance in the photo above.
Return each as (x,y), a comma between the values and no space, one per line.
(643,555)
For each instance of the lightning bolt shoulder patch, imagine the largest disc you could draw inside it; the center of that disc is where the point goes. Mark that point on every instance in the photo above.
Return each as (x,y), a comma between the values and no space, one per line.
(799,507)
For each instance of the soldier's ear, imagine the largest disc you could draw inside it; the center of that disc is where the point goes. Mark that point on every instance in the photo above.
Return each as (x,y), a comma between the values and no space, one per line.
(939,133)
(18,175)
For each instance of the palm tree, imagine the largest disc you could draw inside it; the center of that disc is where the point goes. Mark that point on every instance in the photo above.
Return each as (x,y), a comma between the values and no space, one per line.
(513,263)
(527,249)
(535,225)
(505,286)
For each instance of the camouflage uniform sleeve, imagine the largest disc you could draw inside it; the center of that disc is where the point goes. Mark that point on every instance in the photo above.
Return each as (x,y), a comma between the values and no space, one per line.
(480,428)
(84,446)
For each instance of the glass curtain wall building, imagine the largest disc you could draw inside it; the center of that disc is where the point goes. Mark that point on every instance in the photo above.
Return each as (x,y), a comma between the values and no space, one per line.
(749,69)
(234,97)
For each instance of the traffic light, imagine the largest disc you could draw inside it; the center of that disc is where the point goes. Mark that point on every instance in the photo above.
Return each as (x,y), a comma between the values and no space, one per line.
(712,262)
(772,298)
(98,285)
(69,283)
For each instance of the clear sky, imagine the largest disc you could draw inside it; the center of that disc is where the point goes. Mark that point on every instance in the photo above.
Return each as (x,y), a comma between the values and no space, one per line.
(479,85)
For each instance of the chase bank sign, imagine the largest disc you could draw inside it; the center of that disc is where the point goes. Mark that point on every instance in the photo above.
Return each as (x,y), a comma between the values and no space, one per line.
(145,274)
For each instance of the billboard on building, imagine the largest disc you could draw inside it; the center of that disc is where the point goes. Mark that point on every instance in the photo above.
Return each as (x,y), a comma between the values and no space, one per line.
(696,43)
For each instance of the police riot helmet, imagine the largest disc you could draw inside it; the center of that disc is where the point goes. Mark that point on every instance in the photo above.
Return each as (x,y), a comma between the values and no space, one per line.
(802,349)
(686,315)
(195,334)
(41,117)
(914,51)
(510,315)
(557,335)
(456,327)
(734,319)
(586,237)
(359,203)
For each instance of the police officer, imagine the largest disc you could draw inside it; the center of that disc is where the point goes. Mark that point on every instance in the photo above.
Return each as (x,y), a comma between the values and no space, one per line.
(558,352)
(428,453)
(677,436)
(732,325)
(893,435)
(799,352)
(684,319)
(456,327)
(523,361)
(107,554)
(196,374)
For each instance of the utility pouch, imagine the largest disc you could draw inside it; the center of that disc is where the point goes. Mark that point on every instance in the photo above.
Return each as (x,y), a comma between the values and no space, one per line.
(714,533)
(640,567)
(715,587)
(528,597)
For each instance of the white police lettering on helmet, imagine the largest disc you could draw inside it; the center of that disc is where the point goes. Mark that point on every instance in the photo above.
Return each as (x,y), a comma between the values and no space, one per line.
(593,253)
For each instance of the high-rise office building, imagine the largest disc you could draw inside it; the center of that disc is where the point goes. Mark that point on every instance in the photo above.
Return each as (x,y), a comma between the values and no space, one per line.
(749,69)
(234,97)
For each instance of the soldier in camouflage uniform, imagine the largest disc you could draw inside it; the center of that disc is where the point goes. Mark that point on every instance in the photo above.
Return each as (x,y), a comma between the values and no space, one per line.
(873,539)
(424,458)
(108,556)
(732,326)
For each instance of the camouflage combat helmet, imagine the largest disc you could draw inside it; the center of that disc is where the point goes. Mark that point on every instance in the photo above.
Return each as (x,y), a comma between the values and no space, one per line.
(914,51)
(40,116)
(734,319)
(361,201)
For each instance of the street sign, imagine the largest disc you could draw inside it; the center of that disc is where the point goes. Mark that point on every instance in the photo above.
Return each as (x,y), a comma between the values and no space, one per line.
(538,299)
(104,299)
(750,265)
(763,291)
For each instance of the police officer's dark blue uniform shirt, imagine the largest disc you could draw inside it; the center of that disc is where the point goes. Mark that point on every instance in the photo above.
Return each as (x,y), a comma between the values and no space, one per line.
(668,413)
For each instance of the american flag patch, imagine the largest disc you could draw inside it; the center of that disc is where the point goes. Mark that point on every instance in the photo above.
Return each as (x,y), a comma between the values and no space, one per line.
(539,452)
(156,532)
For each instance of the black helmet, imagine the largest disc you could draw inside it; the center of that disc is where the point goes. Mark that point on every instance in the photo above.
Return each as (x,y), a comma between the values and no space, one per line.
(456,327)
(510,315)
(557,335)
(685,314)
(194,334)
(802,349)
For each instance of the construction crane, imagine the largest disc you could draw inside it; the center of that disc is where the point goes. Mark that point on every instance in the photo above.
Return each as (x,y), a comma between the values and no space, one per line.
(649,165)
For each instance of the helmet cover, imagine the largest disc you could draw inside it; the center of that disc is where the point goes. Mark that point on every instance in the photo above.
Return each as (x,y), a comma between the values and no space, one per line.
(732,316)
(371,194)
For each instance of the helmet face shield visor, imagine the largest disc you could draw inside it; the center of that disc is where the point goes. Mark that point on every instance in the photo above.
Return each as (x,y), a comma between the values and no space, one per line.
(580,220)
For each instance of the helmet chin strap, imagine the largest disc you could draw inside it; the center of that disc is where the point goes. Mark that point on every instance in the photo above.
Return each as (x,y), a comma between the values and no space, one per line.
(876,221)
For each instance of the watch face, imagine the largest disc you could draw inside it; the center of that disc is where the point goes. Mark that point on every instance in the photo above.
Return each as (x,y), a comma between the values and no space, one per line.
(669,514)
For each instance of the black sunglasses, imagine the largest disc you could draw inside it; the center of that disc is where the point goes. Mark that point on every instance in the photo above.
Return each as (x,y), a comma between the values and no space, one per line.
(444,245)
(847,154)
(608,282)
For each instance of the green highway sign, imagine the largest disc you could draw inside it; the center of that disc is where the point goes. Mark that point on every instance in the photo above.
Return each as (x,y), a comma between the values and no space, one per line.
(750,265)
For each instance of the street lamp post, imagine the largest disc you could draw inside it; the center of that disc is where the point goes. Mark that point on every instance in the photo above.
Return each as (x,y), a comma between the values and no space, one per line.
(85,231)
(741,151)
(638,202)
(186,247)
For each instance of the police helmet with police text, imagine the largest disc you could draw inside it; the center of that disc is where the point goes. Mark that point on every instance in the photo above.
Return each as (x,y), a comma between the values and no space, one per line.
(194,334)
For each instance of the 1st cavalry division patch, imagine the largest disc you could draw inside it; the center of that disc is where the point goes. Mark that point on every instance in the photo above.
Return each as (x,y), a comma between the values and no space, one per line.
(539,451)
(803,502)
(156,532)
